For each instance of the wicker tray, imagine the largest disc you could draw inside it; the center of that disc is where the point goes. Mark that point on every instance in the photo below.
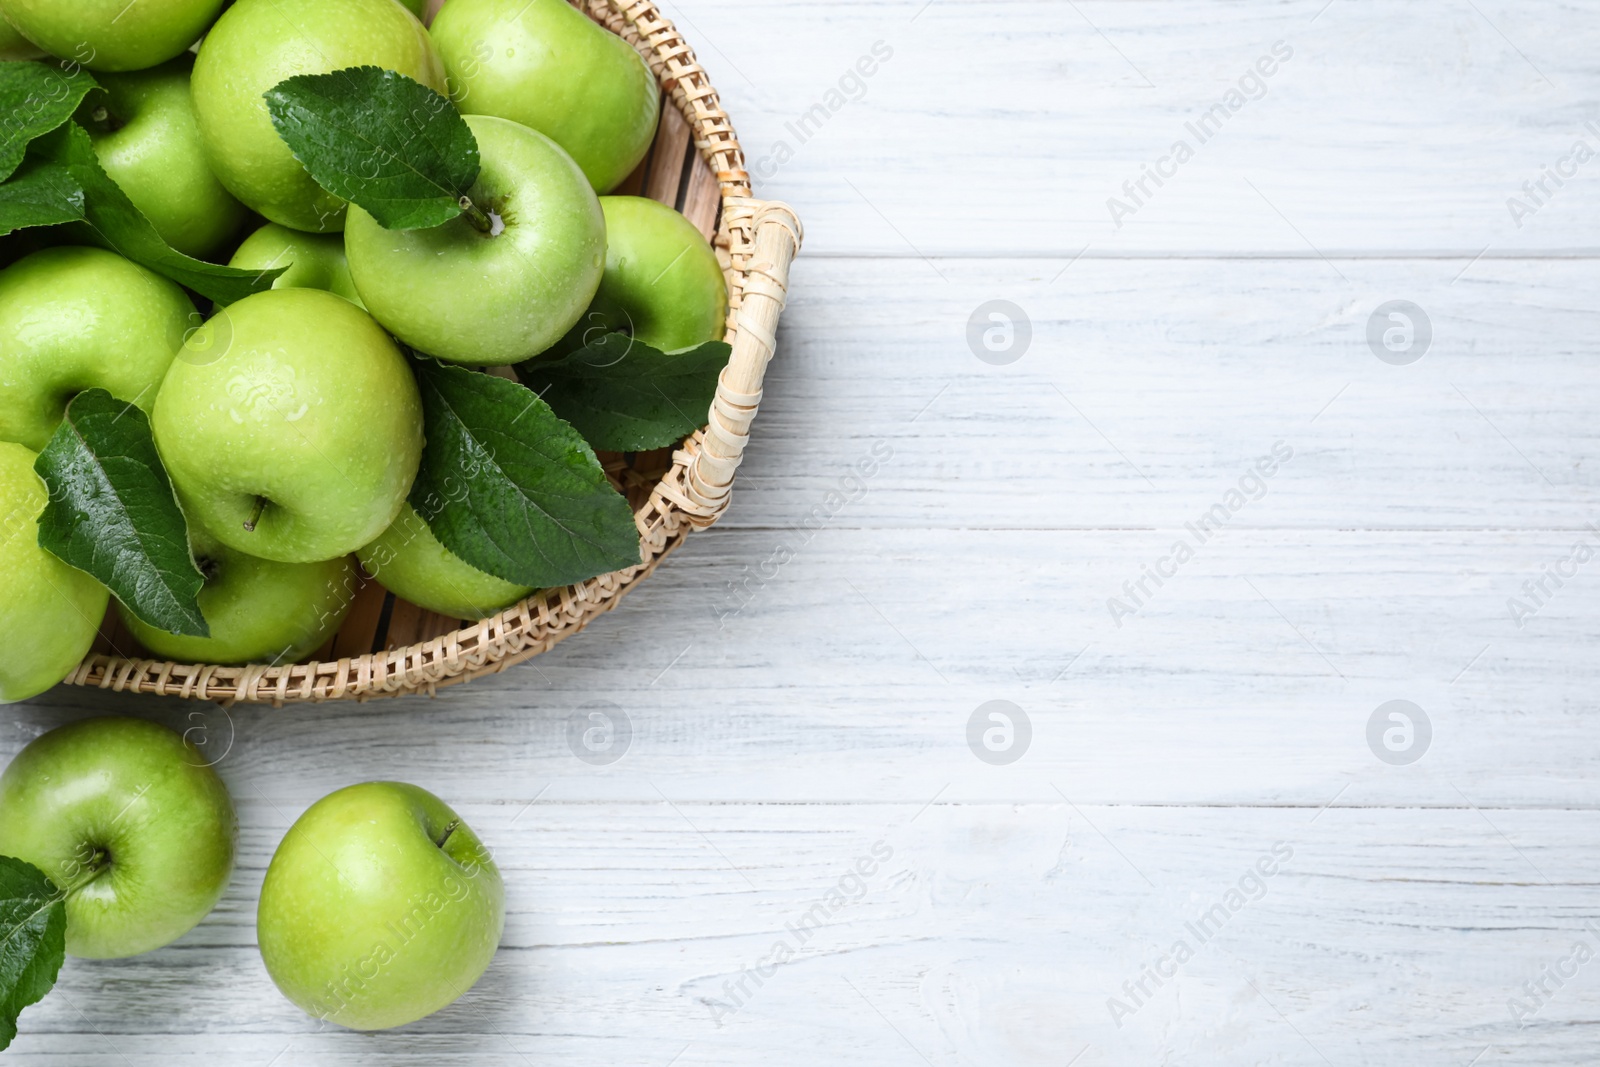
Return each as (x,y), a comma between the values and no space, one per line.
(387,646)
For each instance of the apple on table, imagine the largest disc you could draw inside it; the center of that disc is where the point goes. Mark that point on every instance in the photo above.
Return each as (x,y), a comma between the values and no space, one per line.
(380,906)
(128,820)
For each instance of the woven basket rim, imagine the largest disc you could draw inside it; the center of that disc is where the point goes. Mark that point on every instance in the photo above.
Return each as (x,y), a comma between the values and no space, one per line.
(681,501)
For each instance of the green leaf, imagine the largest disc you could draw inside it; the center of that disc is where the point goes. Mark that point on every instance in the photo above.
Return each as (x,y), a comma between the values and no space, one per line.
(42,194)
(112,512)
(124,229)
(35,98)
(625,396)
(510,488)
(381,140)
(33,940)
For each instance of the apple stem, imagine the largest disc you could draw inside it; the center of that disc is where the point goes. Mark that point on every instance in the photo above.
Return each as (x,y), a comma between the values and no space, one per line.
(475,215)
(89,873)
(448,830)
(255,516)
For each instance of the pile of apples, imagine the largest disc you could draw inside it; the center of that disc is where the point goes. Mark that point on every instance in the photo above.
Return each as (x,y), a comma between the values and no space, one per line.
(335,293)
(302,430)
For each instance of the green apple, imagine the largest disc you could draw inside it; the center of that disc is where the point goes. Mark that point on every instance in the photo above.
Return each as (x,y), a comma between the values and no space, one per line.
(546,65)
(19,244)
(315,260)
(414,566)
(49,612)
(145,136)
(14,46)
(127,819)
(379,907)
(258,43)
(76,318)
(489,296)
(112,34)
(662,283)
(291,426)
(258,611)
(418,8)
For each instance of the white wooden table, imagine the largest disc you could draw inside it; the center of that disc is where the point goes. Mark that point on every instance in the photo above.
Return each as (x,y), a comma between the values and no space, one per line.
(1413,906)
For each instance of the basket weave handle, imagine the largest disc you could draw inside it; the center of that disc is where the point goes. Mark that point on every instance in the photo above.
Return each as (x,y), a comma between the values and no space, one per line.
(710,476)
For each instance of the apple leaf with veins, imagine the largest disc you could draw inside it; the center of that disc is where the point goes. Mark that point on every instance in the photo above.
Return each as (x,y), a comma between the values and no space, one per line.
(123,228)
(380,140)
(625,396)
(43,194)
(510,488)
(112,513)
(35,98)
(33,940)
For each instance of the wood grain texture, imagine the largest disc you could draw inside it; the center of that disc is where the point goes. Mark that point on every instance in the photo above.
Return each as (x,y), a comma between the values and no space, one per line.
(1003,127)
(991,933)
(916,532)
(1150,387)
(1248,679)
(668,154)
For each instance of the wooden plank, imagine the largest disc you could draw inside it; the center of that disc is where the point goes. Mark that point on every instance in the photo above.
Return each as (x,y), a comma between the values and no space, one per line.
(409,624)
(1181,372)
(851,673)
(113,638)
(633,184)
(702,197)
(1005,127)
(631,923)
(667,156)
(359,633)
